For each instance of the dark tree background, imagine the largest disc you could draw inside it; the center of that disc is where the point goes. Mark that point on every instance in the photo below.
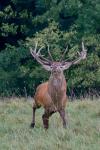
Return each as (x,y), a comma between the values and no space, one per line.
(59,23)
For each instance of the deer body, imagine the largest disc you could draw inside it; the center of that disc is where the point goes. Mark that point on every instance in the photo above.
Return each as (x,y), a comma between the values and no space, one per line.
(52,94)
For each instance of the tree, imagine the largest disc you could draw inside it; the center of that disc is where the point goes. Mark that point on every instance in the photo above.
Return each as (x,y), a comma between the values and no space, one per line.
(58,23)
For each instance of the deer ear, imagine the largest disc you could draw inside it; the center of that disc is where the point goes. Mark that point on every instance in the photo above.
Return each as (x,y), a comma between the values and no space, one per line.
(47,67)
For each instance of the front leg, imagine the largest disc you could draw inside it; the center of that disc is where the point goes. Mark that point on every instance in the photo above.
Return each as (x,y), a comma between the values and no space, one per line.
(63,117)
(45,118)
(62,112)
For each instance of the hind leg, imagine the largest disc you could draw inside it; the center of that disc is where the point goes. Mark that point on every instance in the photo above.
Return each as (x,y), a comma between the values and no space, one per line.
(45,118)
(33,118)
(64,117)
(33,115)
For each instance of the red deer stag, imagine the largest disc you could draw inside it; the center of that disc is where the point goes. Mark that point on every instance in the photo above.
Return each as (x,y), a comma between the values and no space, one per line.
(52,94)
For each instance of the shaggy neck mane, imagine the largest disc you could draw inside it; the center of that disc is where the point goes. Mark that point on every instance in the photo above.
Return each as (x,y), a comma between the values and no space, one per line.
(56,83)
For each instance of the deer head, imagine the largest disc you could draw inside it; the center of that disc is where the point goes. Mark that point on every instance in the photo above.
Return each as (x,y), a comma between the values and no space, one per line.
(57,67)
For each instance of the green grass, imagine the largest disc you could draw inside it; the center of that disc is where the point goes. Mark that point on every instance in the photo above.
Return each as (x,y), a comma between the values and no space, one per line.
(83,132)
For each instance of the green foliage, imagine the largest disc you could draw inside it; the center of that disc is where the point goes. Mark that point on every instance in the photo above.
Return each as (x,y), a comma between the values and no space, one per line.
(57,23)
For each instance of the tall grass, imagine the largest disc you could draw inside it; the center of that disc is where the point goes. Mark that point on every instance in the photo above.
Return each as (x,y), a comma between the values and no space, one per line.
(83,132)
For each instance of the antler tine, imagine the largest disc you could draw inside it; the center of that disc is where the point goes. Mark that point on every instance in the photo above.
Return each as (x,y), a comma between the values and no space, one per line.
(50,53)
(36,47)
(83,48)
(40,50)
(34,51)
(82,54)
(84,51)
(31,51)
(64,53)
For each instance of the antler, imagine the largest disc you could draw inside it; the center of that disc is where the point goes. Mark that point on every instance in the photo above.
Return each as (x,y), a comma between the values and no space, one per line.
(82,56)
(37,55)
(64,54)
(50,54)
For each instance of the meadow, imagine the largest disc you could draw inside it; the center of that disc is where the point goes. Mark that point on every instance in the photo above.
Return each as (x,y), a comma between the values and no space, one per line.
(82,133)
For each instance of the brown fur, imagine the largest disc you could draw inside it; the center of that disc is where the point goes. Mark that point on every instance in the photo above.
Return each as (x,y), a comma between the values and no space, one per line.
(52,96)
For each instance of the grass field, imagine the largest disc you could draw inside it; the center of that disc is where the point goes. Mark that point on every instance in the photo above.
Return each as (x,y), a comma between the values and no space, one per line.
(83,132)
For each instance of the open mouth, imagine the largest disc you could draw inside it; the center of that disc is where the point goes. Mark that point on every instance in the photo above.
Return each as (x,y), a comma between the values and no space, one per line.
(56,72)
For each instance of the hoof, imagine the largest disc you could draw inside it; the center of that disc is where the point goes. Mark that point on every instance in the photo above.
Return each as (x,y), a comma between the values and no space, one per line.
(65,126)
(32,125)
(46,127)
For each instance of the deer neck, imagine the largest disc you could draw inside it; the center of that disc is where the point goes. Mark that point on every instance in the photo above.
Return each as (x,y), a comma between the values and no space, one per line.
(57,89)
(56,83)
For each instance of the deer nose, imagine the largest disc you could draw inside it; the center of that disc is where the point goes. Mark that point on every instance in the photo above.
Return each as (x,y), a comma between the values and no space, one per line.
(57,70)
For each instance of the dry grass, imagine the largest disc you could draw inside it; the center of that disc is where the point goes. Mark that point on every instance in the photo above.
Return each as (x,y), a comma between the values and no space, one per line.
(83,132)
